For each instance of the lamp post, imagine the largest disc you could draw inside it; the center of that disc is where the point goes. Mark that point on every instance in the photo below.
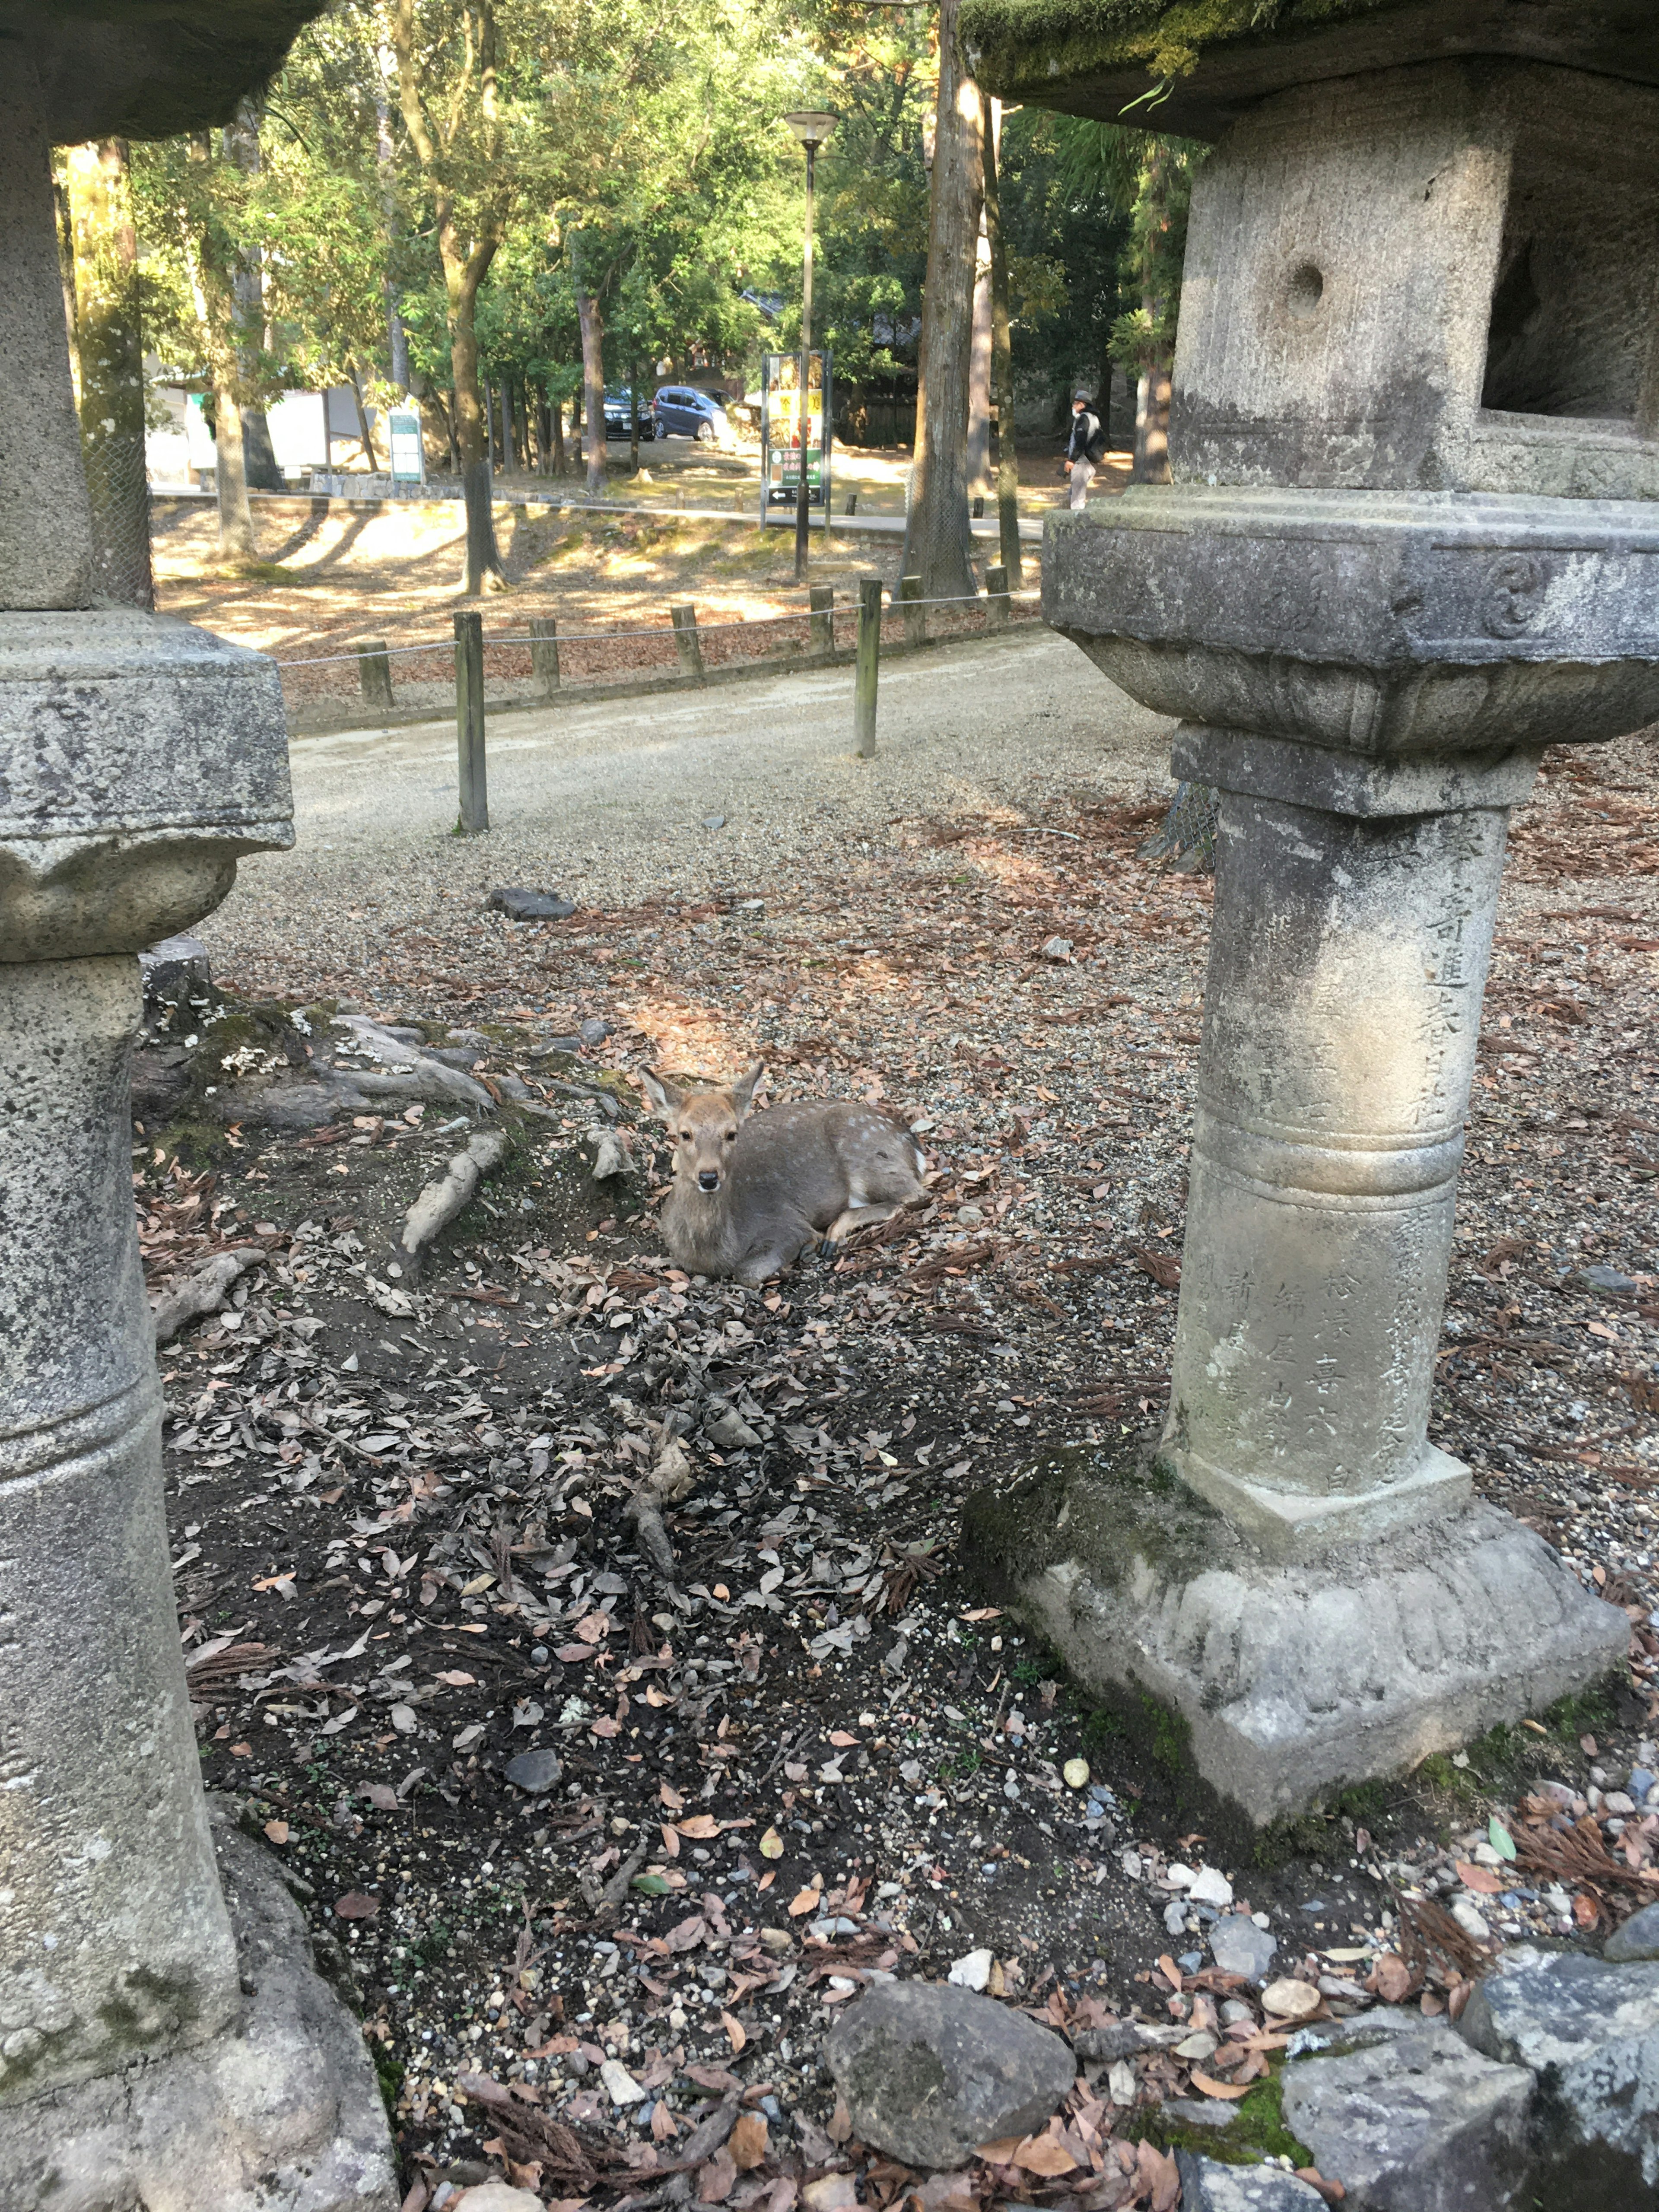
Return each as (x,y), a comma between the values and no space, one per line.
(811,125)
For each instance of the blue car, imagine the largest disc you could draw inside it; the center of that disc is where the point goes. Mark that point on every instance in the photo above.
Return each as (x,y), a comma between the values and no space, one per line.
(682,412)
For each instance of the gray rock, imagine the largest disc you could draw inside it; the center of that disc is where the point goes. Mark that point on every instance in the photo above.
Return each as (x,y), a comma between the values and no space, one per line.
(1599,1278)
(1208,2187)
(1199,2111)
(1239,1946)
(731,1432)
(1418,2123)
(1589,2029)
(529,905)
(1101,2046)
(929,2071)
(713,822)
(281,2111)
(535,1770)
(1637,1939)
(593,1031)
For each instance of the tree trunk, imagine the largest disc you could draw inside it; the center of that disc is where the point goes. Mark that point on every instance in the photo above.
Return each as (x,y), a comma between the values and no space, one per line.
(546,416)
(557,412)
(1002,358)
(1151,460)
(634,419)
(936,534)
(111,352)
(236,539)
(592,329)
(509,429)
(365,434)
(976,469)
(483,570)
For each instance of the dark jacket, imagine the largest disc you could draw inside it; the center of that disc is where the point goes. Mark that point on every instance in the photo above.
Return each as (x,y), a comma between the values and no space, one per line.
(1086,438)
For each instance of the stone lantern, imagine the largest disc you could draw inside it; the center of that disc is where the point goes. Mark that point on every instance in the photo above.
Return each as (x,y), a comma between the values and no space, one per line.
(164,2038)
(1408,544)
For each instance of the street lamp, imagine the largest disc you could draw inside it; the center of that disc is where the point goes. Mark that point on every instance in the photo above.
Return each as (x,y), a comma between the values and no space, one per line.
(811,125)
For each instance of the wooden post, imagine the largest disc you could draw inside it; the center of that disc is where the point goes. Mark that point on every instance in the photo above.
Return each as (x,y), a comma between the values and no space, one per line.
(474,816)
(979,505)
(996,596)
(544,652)
(852,506)
(684,620)
(869,666)
(821,599)
(374,672)
(915,616)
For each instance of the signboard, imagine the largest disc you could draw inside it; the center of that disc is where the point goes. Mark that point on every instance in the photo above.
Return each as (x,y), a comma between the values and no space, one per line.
(780,430)
(408,449)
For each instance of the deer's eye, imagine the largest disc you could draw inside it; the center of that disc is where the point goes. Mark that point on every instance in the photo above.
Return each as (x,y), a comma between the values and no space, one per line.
(730,1135)
(685,1136)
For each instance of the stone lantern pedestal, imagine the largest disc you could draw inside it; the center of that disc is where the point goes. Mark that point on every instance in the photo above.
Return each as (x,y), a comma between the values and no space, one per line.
(1412,540)
(165,2039)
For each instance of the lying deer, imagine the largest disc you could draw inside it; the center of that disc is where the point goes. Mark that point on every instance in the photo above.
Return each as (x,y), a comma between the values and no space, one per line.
(749,1195)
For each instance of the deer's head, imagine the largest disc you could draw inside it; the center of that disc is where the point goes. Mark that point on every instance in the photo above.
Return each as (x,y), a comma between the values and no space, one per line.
(703,1125)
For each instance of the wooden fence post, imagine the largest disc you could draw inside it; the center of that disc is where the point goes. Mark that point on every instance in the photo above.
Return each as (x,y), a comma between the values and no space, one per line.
(684,620)
(545,653)
(869,666)
(374,672)
(821,600)
(469,724)
(915,616)
(996,595)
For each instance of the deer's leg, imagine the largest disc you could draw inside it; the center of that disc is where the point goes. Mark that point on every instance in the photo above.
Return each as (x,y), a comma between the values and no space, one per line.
(853,1217)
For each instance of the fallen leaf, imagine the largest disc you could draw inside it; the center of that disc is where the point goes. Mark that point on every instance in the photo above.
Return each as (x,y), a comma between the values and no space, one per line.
(771,1844)
(1290,2000)
(1170,1971)
(1500,1838)
(736,2032)
(381,1795)
(671,1842)
(1213,2089)
(670,1797)
(1332,2191)
(1042,2155)
(716,2180)
(1478,1878)
(1585,1911)
(1001,2152)
(1391,1977)
(278,1830)
(594,1627)
(808,1900)
(356,1904)
(841,1737)
(699,1828)
(840,2122)
(750,2142)
(664,2126)
(456,1678)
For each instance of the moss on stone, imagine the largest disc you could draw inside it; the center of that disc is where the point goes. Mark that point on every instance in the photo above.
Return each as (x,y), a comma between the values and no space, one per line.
(1257,2130)
(1104,1506)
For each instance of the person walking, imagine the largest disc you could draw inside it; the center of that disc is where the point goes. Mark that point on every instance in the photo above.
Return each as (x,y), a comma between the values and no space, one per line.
(1085,450)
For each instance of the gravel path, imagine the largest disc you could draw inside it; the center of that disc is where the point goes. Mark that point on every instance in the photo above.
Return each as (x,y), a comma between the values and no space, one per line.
(609,801)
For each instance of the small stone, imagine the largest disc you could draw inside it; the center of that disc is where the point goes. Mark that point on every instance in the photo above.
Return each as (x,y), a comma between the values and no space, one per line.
(1196,2045)
(534,1771)
(1471,1919)
(1239,1946)
(1174,1917)
(1056,948)
(625,2089)
(1637,1939)
(519,905)
(1290,2000)
(1619,1802)
(1600,1278)
(1121,2082)
(593,1031)
(494,2196)
(1211,1889)
(1075,1773)
(830,2192)
(970,1216)
(972,1972)
(713,822)
(930,2071)
(1177,1876)
(732,1433)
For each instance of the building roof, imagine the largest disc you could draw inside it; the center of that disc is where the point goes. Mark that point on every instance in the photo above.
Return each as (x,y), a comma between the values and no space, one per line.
(1206,61)
(147,69)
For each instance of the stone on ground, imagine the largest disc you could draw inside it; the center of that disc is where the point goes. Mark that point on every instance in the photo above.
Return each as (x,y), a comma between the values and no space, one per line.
(519,905)
(496,2196)
(535,1770)
(1419,2123)
(1239,1946)
(1637,1939)
(1589,2030)
(1208,2187)
(929,2071)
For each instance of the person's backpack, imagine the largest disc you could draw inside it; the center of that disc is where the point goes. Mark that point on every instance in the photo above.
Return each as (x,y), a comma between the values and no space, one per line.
(1097,445)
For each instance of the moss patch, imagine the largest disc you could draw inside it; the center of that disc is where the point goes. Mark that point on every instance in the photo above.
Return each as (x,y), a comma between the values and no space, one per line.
(1257,2129)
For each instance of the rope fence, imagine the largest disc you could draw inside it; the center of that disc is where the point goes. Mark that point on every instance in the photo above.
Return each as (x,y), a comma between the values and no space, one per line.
(546,642)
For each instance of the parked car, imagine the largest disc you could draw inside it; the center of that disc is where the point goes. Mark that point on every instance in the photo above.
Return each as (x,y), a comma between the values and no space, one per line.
(682,412)
(616,418)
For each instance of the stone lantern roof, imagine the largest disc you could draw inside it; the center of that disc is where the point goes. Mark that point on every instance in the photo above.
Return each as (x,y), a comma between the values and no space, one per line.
(146,68)
(1219,56)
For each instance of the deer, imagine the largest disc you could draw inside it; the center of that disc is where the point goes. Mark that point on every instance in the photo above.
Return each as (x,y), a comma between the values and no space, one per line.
(752,1192)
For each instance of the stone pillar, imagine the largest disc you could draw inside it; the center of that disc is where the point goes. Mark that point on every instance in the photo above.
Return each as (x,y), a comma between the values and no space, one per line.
(1410,541)
(159,2043)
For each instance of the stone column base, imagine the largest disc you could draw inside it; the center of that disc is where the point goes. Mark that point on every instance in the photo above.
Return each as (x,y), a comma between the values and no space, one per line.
(1292,1679)
(281,2113)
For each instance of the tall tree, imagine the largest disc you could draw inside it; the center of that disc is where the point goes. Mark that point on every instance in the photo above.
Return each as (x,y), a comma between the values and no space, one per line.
(1002,365)
(110,351)
(449,93)
(937,537)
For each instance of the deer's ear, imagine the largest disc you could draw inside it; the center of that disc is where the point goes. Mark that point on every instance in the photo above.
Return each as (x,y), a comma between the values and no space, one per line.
(667,1097)
(742,1093)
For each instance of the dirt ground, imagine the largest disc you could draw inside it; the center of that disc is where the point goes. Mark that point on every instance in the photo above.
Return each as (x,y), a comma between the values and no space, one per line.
(399,1502)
